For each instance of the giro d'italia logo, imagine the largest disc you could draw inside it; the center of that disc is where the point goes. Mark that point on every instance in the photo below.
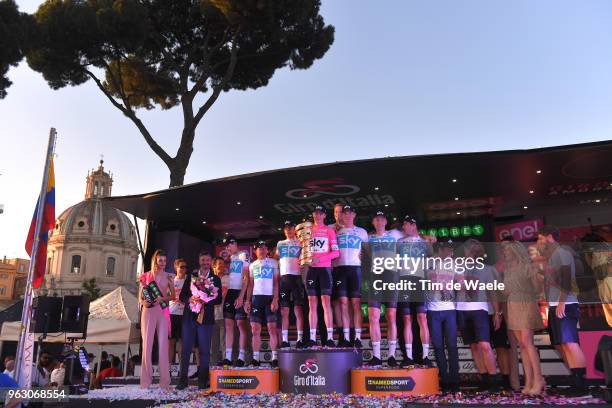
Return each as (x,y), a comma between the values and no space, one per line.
(333,187)
(309,366)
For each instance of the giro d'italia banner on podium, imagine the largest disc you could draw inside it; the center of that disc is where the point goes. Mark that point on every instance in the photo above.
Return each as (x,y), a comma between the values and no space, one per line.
(317,372)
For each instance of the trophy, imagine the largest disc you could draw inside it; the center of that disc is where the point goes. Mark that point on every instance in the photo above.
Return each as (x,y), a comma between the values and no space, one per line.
(151,292)
(303,232)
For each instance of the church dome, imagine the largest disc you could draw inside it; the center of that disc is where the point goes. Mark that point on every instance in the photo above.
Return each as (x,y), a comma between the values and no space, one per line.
(94,217)
(92,240)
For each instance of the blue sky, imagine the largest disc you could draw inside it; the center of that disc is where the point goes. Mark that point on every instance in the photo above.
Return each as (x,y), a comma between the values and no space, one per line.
(403,77)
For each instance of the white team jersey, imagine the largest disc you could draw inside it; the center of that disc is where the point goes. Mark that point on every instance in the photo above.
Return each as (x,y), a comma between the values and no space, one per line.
(417,249)
(176,307)
(349,244)
(385,245)
(288,252)
(237,263)
(262,272)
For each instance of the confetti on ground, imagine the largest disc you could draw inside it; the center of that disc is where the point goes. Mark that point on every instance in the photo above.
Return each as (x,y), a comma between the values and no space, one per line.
(134,392)
(338,401)
(193,397)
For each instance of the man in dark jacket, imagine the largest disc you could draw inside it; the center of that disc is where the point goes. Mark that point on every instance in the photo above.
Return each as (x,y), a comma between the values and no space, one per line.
(191,326)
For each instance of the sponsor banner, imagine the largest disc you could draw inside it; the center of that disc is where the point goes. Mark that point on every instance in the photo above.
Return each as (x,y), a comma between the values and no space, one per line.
(237,382)
(580,188)
(389,383)
(416,381)
(244,381)
(317,372)
(327,193)
(520,231)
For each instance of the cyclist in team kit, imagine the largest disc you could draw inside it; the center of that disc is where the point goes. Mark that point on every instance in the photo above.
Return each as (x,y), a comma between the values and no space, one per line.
(324,247)
(412,245)
(337,225)
(291,285)
(262,300)
(347,280)
(233,312)
(382,245)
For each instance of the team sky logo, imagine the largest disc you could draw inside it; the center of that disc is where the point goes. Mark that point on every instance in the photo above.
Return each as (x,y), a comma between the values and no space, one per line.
(413,250)
(346,241)
(382,244)
(263,272)
(319,244)
(289,251)
(236,266)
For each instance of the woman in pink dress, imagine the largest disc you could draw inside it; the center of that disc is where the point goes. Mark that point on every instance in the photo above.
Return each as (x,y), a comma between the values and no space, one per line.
(155,319)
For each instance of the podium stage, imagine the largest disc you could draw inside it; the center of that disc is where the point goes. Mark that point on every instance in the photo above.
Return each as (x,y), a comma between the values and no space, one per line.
(317,371)
(325,371)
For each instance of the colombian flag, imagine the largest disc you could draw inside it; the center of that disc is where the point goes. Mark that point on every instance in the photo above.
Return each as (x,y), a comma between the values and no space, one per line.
(48,221)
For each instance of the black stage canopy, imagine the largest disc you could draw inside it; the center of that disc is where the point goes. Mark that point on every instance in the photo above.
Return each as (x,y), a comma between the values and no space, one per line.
(435,188)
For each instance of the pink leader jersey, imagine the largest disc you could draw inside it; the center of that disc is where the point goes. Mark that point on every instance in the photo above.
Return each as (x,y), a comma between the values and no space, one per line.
(324,246)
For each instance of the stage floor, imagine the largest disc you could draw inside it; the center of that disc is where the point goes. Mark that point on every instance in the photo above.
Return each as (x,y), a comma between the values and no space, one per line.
(131,396)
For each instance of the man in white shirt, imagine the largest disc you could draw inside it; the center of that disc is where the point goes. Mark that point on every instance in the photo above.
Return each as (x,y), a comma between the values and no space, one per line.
(40,371)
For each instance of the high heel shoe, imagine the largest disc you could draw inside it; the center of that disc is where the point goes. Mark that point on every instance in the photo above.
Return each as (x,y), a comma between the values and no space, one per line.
(538,388)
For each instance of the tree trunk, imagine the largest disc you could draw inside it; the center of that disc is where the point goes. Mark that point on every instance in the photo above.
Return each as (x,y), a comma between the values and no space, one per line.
(177,172)
(178,168)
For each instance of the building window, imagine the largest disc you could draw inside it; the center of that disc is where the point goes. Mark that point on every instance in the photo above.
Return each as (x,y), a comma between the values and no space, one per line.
(3,275)
(21,267)
(75,266)
(2,291)
(95,189)
(110,266)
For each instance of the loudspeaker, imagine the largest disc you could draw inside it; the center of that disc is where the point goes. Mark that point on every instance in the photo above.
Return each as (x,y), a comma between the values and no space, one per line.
(75,313)
(47,314)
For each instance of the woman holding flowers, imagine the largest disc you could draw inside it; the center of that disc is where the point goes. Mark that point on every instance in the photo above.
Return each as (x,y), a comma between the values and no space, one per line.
(200,293)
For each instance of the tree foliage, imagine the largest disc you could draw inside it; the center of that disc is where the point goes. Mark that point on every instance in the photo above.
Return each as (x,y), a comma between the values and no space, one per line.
(13,37)
(164,53)
(90,287)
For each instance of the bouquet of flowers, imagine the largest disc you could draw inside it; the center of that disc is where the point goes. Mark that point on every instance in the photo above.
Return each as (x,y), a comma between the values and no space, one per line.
(206,291)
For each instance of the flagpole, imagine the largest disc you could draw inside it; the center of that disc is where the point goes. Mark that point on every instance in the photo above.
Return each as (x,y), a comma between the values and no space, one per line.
(26,316)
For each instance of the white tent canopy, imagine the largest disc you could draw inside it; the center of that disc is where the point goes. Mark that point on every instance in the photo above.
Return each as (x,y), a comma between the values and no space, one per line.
(112,320)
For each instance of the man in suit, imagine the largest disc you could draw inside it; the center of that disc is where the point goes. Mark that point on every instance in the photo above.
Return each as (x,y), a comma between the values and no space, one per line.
(191,326)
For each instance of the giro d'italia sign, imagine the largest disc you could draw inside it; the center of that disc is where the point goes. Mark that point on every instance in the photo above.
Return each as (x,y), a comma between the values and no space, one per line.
(317,372)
